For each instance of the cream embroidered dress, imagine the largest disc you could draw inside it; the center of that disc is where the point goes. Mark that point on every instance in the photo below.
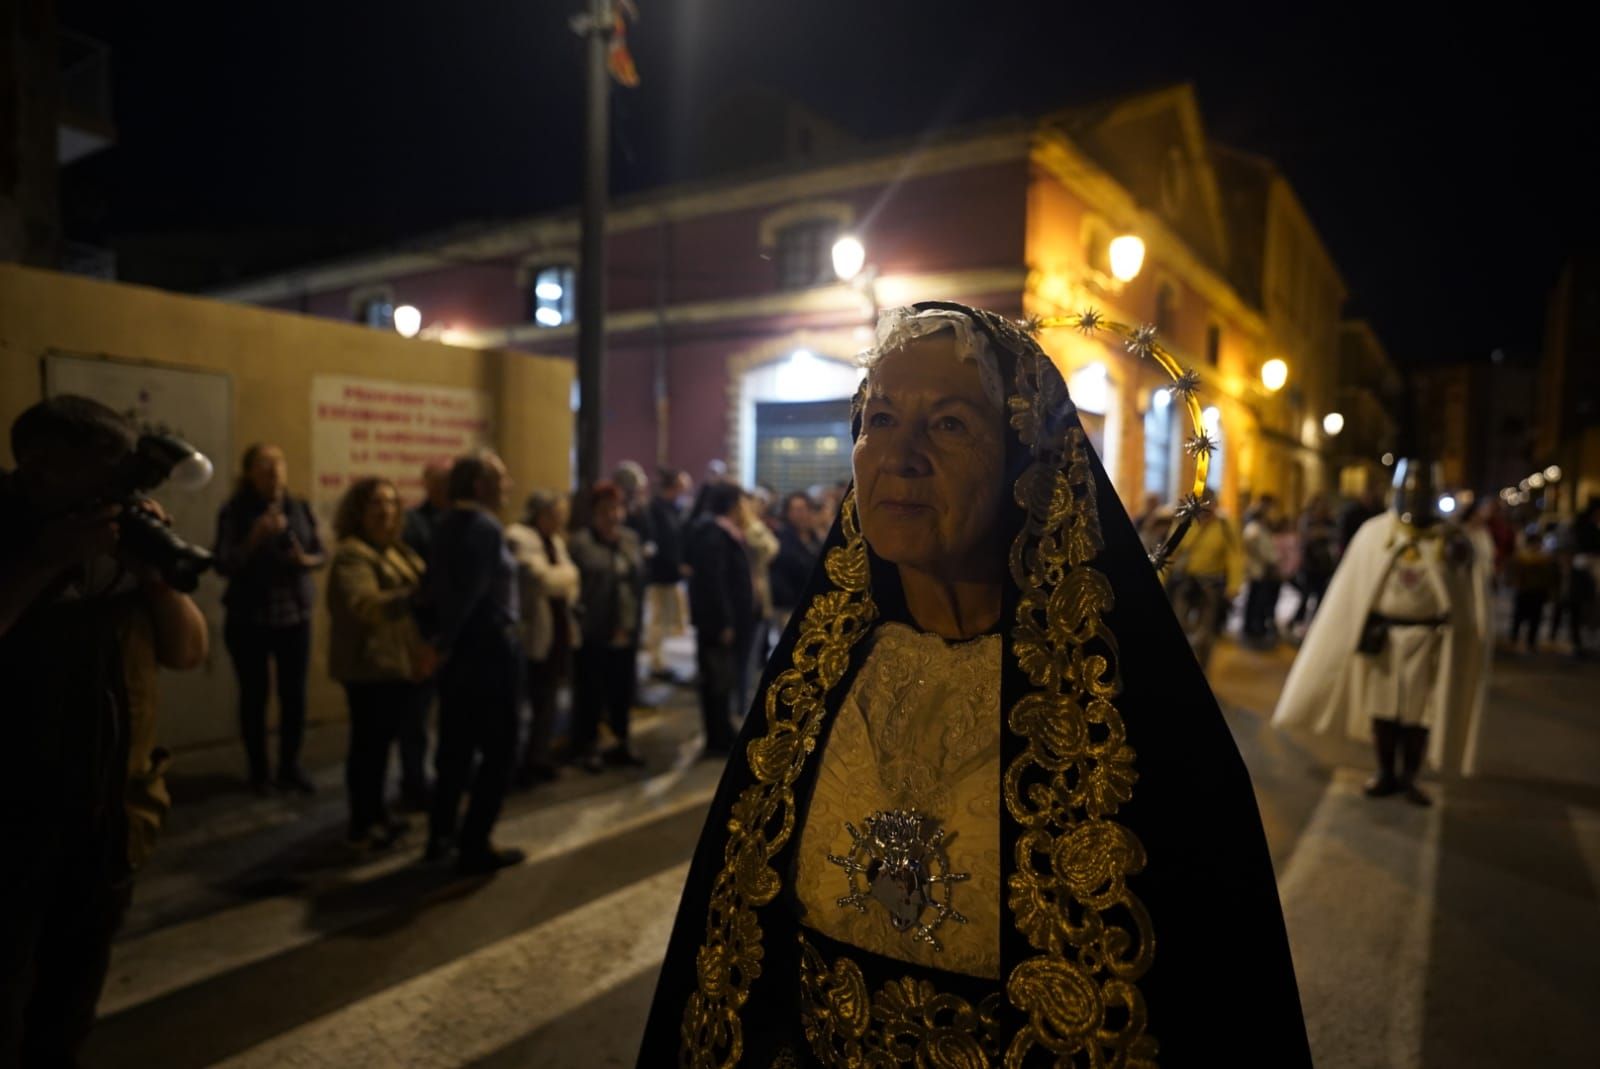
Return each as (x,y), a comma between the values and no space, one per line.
(919,730)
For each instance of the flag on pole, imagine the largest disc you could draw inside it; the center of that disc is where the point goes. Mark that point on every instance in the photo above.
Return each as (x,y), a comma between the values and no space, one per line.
(619,60)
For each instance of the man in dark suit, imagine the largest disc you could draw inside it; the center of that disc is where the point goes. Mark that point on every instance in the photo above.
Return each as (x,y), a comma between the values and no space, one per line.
(722,608)
(472,594)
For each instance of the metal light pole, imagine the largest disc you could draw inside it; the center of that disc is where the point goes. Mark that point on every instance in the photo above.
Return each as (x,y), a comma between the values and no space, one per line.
(596,28)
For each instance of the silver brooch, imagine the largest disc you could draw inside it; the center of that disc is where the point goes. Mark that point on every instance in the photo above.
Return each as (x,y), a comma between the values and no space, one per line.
(899,861)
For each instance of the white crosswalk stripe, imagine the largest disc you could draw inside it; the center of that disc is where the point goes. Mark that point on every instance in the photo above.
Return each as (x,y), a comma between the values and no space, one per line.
(191,952)
(1359,911)
(486,1000)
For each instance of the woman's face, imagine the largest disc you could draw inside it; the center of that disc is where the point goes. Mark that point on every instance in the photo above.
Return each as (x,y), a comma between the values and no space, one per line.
(929,463)
(269,474)
(608,518)
(553,519)
(380,523)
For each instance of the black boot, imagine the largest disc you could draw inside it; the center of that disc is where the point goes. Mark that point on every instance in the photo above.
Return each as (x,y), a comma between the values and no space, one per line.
(1413,744)
(1385,738)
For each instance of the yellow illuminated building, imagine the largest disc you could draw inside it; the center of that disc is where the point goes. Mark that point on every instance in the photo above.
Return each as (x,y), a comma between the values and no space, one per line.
(1235,277)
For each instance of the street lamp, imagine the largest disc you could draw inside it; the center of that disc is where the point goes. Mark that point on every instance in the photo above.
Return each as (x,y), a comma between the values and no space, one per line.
(1274,373)
(1127,257)
(1332,424)
(851,267)
(407,320)
(849,257)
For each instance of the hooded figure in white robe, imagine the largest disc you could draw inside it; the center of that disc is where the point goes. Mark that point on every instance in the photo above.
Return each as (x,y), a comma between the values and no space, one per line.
(1399,650)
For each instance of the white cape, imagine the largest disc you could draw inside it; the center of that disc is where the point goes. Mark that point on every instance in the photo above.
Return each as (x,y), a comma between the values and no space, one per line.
(1322,694)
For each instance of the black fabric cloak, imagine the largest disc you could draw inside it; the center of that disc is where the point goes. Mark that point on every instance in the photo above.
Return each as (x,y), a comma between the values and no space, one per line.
(1140,917)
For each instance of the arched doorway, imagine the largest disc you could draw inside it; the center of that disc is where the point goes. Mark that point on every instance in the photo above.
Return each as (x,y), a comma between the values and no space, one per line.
(791,426)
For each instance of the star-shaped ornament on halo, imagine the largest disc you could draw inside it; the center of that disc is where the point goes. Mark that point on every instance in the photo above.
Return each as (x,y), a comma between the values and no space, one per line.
(1031,324)
(1200,443)
(1185,385)
(1192,507)
(1089,321)
(1142,341)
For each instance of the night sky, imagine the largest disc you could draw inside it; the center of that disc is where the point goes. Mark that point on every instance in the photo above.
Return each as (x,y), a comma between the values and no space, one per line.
(1445,161)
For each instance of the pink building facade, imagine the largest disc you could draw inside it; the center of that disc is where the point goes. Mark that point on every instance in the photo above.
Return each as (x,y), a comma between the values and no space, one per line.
(730,338)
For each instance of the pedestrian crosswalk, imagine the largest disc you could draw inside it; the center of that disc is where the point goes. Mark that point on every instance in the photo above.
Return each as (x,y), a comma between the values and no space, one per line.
(1396,915)
(473,1006)
(1359,912)
(193,951)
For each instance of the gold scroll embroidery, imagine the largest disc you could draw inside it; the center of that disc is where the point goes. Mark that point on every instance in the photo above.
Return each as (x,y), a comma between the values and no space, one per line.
(763,818)
(1069,894)
(906,1022)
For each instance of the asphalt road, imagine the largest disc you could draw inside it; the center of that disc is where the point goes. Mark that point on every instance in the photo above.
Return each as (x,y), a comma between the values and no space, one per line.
(1463,935)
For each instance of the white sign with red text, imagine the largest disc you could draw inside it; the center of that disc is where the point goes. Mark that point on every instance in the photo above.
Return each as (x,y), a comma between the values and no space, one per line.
(362,427)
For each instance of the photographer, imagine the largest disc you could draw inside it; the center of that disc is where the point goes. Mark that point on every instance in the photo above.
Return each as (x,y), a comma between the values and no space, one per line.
(268,546)
(83,626)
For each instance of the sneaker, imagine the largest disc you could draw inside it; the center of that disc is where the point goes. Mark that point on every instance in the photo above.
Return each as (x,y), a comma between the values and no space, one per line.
(375,840)
(488,859)
(1415,795)
(622,757)
(1380,787)
(295,781)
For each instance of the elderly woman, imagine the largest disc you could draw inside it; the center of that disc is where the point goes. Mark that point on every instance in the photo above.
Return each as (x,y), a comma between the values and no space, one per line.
(374,648)
(985,808)
(548,594)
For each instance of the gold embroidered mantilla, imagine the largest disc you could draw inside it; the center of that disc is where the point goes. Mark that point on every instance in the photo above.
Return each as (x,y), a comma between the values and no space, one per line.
(1068,894)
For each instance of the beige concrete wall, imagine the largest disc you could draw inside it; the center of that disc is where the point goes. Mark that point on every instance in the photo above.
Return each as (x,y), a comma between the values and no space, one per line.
(271,358)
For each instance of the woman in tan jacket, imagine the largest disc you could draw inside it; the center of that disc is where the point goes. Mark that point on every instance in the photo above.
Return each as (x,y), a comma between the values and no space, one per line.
(374,648)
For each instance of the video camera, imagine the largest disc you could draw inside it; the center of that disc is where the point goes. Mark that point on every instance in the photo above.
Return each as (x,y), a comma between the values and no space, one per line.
(157,457)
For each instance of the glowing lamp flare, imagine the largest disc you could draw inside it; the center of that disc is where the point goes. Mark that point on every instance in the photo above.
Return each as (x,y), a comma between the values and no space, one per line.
(849,257)
(1553,473)
(1332,424)
(1127,257)
(1274,373)
(1536,481)
(407,320)
(1447,505)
